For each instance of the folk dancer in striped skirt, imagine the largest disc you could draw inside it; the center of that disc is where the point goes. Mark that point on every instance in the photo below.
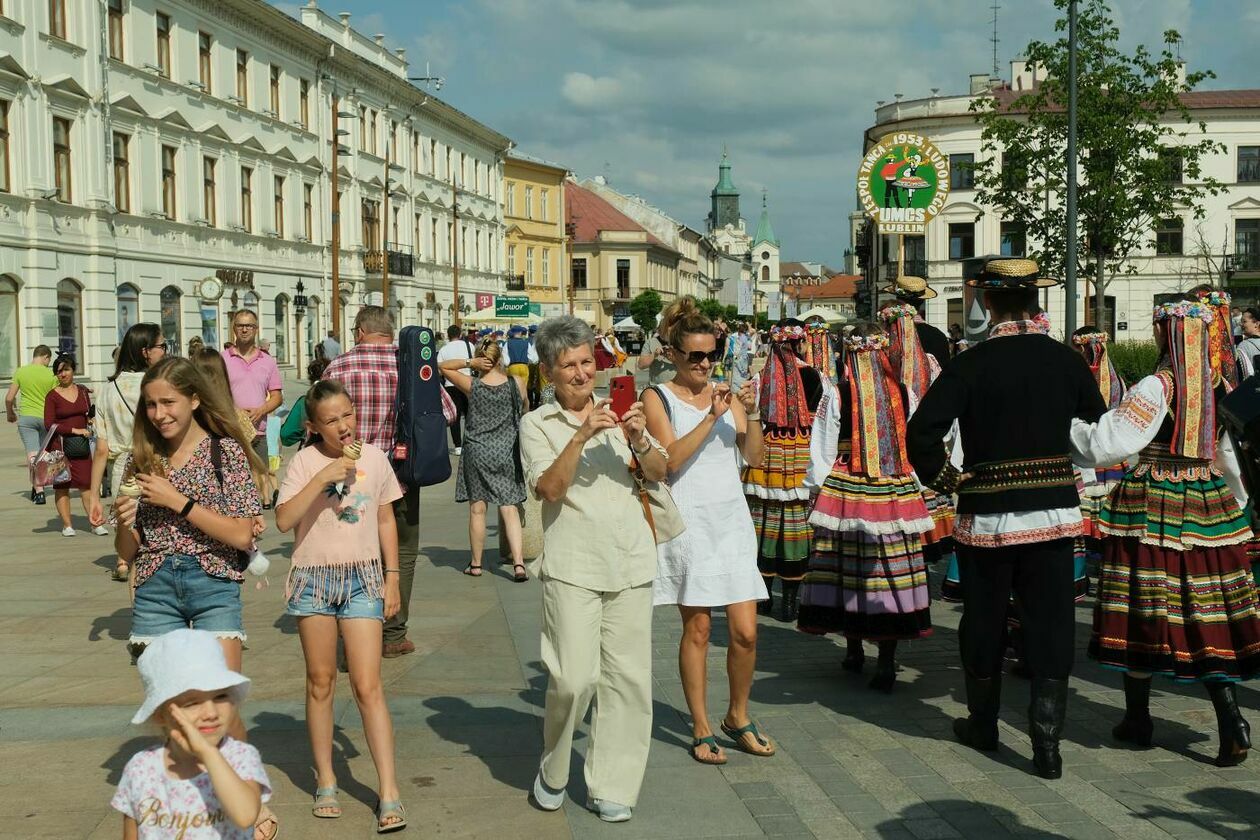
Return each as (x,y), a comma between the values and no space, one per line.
(789,392)
(917,369)
(1014,397)
(867,579)
(1176,597)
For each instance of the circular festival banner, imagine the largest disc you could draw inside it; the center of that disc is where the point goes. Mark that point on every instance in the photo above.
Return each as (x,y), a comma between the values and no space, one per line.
(903,182)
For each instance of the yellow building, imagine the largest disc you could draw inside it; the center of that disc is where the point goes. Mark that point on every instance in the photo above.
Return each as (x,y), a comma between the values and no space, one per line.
(614,259)
(534,213)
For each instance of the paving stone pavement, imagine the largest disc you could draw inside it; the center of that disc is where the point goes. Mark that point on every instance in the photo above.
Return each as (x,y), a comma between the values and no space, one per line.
(467,705)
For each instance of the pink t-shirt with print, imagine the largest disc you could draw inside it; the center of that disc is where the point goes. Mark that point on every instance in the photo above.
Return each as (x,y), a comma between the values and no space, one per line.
(340,531)
(165,807)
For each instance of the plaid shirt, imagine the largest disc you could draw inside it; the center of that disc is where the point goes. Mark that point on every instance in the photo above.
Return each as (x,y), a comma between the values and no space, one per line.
(369,373)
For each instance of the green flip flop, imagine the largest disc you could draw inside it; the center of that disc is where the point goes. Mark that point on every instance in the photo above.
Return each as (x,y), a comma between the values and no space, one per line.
(712,744)
(737,735)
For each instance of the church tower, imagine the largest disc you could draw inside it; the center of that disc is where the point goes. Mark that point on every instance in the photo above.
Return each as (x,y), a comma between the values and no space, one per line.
(765,258)
(724,198)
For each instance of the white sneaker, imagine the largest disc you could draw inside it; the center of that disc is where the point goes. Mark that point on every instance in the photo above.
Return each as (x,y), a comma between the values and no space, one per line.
(101,531)
(459,450)
(67,532)
(546,798)
(611,812)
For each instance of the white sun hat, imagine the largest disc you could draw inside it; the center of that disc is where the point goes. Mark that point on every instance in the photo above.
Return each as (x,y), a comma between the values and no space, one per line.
(184,660)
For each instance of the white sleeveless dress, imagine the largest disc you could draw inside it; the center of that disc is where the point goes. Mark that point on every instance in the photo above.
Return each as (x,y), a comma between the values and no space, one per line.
(713,562)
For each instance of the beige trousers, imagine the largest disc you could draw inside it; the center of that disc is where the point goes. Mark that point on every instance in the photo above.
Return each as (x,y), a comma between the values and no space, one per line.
(598,646)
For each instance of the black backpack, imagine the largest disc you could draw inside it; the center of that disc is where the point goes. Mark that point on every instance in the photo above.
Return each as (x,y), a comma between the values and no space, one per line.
(420,455)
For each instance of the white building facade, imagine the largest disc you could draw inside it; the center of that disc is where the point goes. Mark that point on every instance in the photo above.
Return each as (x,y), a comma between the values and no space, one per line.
(170,161)
(1223,248)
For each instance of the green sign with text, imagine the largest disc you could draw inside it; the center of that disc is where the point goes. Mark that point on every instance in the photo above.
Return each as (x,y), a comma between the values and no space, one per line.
(511,307)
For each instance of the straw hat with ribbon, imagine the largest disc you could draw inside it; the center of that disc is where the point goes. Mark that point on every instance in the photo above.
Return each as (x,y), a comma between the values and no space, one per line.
(909,287)
(1010,273)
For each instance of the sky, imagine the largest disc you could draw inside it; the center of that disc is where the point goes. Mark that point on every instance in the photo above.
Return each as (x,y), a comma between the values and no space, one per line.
(649,92)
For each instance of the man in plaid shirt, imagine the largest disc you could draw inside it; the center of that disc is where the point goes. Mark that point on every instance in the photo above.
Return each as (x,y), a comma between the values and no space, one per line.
(369,372)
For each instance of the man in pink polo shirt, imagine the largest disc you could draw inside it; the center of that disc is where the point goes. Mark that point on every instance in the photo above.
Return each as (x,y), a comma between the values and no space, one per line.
(254,377)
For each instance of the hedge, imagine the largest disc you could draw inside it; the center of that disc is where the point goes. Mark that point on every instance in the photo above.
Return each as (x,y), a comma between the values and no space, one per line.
(1133,359)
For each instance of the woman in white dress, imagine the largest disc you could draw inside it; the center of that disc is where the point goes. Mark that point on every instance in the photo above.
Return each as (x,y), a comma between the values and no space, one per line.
(713,563)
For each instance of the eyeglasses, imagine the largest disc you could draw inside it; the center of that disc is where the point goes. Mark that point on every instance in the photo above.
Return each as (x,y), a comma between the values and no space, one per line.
(695,357)
(164,346)
(244,326)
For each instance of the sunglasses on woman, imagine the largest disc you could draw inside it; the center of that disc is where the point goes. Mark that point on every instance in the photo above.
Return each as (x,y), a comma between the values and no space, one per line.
(695,357)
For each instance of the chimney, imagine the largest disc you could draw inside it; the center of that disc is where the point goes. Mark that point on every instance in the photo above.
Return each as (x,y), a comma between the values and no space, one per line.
(979,83)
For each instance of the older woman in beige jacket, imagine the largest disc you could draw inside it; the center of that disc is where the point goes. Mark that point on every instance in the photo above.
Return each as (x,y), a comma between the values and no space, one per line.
(597,566)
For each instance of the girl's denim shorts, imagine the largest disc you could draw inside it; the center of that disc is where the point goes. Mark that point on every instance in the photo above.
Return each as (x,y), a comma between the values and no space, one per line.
(180,594)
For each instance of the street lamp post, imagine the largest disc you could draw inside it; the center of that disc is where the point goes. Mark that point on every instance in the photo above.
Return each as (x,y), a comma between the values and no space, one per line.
(570,230)
(299,310)
(1069,280)
(337,152)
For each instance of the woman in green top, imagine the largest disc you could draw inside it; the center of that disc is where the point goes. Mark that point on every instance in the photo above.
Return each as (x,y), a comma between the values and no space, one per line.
(33,382)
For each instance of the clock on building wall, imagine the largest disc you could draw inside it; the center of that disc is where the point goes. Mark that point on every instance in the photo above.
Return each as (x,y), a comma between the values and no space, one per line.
(211,288)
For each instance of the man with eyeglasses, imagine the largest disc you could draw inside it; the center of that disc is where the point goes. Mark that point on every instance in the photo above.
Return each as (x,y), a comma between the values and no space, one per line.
(255,380)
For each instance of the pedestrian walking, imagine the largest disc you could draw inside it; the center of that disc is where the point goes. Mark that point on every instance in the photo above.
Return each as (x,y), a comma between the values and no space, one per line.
(1014,398)
(597,565)
(867,579)
(456,347)
(256,386)
(490,473)
(187,531)
(31,383)
(656,359)
(788,393)
(142,346)
(201,781)
(369,372)
(1249,346)
(331,346)
(519,354)
(68,413)
(1176,596)
(338,494)
(713,563)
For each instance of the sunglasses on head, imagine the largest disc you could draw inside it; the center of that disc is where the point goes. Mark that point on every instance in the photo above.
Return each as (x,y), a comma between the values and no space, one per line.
(695,357)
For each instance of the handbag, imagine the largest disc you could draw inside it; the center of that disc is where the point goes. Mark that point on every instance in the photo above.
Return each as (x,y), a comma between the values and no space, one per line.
(658,505)
(76,447)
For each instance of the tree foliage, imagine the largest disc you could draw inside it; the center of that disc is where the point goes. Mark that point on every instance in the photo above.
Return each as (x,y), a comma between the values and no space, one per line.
(1140,153)
(644,308)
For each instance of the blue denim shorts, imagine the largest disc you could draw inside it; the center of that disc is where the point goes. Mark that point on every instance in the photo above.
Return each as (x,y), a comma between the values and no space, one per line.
(180,594)
(353,601)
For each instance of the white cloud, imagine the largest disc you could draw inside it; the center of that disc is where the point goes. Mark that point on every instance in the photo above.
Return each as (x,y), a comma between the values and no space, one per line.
(586,91)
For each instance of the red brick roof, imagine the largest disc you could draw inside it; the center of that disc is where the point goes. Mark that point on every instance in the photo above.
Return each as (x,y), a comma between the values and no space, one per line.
(1243,98)
(594,214)
(837,286)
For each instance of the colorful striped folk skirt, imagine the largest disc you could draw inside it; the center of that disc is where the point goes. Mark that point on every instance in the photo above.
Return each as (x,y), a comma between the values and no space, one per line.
(938,543)
(1189,615)
(867,577)
(866,586)
(779,503)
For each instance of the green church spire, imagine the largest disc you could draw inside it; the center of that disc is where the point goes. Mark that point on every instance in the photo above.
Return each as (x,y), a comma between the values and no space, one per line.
(765,233)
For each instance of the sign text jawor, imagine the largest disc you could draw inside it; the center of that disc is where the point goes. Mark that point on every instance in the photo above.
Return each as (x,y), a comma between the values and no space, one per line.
(511,307)
(903,182)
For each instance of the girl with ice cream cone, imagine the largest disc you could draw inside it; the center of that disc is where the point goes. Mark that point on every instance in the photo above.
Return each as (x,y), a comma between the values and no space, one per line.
(338,495)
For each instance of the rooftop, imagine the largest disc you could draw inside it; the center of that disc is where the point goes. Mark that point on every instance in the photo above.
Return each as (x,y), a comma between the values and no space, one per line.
(592,214)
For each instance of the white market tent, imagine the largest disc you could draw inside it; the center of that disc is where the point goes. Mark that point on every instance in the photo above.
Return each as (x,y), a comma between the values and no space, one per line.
(831,316)
(626,324)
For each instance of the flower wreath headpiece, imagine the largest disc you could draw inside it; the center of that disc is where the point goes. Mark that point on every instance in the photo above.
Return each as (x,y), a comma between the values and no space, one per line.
(894,311)
(866,343)
(1089,338)
(1183,309)
(787,333)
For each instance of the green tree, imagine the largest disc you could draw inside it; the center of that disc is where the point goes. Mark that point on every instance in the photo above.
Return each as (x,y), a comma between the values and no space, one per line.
(644,309)
(1140,152)
(711,309)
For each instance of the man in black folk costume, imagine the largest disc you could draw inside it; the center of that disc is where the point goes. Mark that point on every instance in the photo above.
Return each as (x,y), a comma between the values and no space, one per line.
(1014,397)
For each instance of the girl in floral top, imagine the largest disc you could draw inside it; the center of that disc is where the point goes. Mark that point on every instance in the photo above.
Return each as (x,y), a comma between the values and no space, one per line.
(187,533)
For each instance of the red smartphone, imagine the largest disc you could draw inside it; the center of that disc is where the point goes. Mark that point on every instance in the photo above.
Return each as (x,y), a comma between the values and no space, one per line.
(621,389)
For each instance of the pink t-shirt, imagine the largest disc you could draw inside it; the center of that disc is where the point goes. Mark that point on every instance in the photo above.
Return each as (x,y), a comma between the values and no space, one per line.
(342,530)
(252,380)
(165,807)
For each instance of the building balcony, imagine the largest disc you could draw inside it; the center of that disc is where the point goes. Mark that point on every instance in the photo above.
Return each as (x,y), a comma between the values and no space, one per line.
(514,282)
(401,262)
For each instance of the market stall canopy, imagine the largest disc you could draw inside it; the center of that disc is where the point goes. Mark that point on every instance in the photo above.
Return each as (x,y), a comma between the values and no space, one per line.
(626,324)
(487,316)
(831,316)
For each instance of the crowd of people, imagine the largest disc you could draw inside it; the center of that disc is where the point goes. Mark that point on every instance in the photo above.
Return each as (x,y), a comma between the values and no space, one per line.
(837,466)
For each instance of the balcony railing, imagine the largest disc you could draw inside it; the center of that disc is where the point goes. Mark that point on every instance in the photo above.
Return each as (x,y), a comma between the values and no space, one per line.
(914,268)
(623,292)
(515,283)
(401,263)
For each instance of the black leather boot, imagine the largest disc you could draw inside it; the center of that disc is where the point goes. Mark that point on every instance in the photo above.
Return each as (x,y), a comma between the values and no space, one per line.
(885,668)
(1235,733)
(1045,725)
(1137,727)
(788,606)
(979,730)
(854,657)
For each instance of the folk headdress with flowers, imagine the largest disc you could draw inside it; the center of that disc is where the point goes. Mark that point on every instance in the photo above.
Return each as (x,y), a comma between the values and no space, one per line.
(1185,328)
(906,353)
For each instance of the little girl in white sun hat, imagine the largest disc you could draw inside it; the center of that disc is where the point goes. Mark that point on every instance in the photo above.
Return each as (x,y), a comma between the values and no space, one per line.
(200,783)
